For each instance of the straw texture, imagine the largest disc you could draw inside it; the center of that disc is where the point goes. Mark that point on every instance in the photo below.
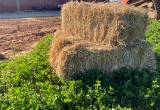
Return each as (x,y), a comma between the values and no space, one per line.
(100,36)
(79,57)
(107,23)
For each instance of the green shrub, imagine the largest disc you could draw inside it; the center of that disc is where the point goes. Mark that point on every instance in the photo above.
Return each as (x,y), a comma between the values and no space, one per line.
(153,33)
(27,82)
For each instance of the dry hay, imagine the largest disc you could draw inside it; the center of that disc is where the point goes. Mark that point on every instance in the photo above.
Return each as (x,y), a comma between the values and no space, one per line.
(79,57)
(107,23)
(92,36)
(60,41)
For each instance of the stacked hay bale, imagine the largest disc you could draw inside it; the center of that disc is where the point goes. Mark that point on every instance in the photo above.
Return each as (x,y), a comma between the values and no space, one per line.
(100,36)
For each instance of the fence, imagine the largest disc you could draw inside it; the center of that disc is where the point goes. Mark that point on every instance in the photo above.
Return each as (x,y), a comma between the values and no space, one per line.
(23,5)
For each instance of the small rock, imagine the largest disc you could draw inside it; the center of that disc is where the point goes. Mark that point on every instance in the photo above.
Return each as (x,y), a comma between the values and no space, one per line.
(2,57)
(40,34)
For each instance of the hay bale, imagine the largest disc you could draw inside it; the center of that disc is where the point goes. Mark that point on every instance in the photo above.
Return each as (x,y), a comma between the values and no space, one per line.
(100,36)
(108,23)
(81,57)
(60,41)
(58,44)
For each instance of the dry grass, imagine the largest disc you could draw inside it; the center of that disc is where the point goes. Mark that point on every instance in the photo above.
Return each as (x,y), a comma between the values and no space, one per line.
(79,57)
(108,23)
(100,36)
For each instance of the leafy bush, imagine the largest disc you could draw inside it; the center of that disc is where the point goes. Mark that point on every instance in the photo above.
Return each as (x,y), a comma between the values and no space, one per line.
(27,82)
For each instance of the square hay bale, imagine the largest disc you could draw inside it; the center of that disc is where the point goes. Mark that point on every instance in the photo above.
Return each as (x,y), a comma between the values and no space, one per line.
(104,23)
(70,58)
(61,41)
(105,37)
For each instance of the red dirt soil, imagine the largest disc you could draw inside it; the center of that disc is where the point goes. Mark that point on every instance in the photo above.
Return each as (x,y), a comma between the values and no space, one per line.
(20,35)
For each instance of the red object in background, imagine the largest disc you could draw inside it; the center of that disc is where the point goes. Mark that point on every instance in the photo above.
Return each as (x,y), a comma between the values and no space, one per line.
(125,1)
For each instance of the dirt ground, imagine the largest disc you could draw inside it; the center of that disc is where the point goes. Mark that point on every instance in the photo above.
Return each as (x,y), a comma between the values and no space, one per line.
(20,35)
